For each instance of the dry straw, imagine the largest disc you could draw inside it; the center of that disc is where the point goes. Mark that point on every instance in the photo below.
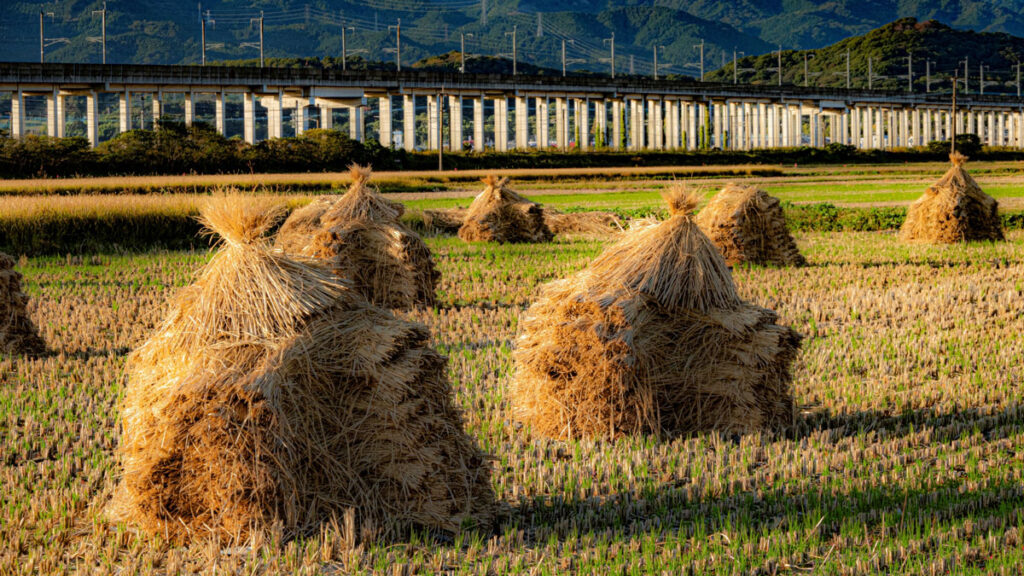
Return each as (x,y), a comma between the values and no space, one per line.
(499,214)
(274,396)
(586,223)
(360,237)
(652,337)
(954,209)
(748,225)
(18,334)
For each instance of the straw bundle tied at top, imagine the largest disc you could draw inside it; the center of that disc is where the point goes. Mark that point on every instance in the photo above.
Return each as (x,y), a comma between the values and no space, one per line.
(954,209)
(360,237)
(652,337)
(18,334)
(499,214)
(748,225)
(272,393)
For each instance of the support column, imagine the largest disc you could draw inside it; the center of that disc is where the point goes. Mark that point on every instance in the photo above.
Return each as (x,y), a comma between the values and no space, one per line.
(691,126)
(433,136)
(91,119)
(189,109)
(991,139)
(844,127)
(409,122)
(124,109)
(18,114)
(560,137)
(617,121)
(915,126)
(583,122)
(386,119)
(522,123)
(478,123)
(59,104)
(787,126)
(248,116)
(455,123)
(543,120)
(326,117)
(274,120)
(891,123)
(601,118)
(356,124)
(761,126)
(501,124)
(158,108)
(926,121)
(798,125)
(51,113)
(218,113)
(300,119)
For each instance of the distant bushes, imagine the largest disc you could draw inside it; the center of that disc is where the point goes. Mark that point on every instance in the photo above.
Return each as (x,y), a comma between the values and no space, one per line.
(113,228)
(174,149)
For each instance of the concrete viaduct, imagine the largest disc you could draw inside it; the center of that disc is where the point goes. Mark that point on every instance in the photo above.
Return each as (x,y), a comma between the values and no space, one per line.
(580,112)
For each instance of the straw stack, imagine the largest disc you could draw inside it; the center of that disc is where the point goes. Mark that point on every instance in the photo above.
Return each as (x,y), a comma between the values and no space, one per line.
(499,214)
(273,395)
(652,337)
(954,209)
(748,225)
(18,334)
(361,238)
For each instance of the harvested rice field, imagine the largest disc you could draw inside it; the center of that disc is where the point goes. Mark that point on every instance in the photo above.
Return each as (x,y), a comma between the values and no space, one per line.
(907,456)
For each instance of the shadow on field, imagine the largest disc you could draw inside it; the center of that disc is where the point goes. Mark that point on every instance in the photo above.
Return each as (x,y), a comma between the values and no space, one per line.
(938,426)
(699,507)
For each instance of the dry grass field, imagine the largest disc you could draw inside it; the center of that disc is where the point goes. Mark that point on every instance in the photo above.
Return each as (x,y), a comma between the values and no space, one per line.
(907,457)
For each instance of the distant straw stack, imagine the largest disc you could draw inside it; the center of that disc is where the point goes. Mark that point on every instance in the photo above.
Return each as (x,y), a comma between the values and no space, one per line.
(748,225)
(18,334)
(652,337)
(499,214)
(273,395)
(954,209)
(361,238)
(586,223)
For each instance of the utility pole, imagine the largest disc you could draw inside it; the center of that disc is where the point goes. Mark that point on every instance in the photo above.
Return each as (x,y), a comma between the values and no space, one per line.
(967,75)
(981,77)
(655,62)
(103,31)
(952,115)
(261,38)
(344,45)
(780,64)
(807,76)
(910,72)
(847,68)
(735,66)
(42,45)
(440,131)
(398,44)
(927,76)
(701,47)
(612,42)
(202,25)
(871,74)
(462,52)
(1017,66)
(631,69)
(571,41)
(515,27)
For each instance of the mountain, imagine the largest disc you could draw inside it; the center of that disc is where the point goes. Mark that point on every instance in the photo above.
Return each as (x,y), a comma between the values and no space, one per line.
(162,32)
(933,46)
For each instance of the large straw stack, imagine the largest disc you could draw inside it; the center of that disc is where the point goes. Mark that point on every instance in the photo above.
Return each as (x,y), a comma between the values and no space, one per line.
(652,338)
(954,209)
(274,395)
(360,237)
(18,334)
(499,214)
(748,225)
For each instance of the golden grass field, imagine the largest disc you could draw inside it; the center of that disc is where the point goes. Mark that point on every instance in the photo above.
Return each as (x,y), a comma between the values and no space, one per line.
(908,456)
